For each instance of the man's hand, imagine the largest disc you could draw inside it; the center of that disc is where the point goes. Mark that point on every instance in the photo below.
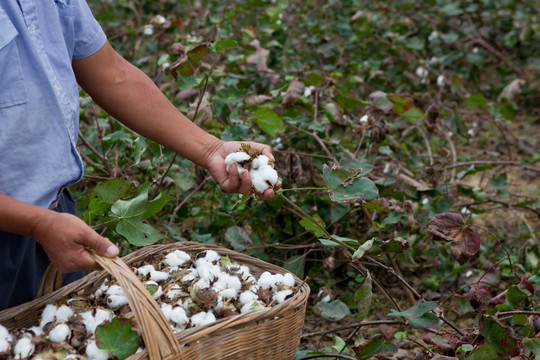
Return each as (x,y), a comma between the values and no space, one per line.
(66,239)
(230,181)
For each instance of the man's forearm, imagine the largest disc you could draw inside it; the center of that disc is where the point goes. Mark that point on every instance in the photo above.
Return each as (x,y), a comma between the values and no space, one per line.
(131,97)
(19,217)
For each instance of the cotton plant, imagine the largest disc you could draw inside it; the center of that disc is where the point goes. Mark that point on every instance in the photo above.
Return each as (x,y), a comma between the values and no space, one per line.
(191,291)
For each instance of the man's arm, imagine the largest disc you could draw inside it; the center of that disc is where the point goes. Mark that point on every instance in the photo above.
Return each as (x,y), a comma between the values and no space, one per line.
(64,237)
(131,97)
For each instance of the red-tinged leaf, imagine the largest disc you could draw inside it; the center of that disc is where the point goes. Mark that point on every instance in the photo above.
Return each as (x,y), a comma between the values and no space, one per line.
(501,338)
(401,103)
(465,242)
(381,101)
(295,89)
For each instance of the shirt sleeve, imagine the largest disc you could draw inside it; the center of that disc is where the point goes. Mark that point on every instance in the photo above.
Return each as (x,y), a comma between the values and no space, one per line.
(89,36)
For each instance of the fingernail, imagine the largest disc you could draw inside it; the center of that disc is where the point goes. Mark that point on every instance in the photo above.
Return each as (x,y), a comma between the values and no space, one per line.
(112,251)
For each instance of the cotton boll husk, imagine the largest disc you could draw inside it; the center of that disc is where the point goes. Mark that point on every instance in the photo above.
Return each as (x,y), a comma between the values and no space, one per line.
(280,296)
(145,269)
(179,316)
(59,333)
(23,348)
(95,353)
(159,275)
(63,313)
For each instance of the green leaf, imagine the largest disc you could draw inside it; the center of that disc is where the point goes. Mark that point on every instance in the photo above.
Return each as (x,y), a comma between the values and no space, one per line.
(456,124)
(515,295)
(365,247)
(296,265)
(130,215)
(484,352)
(238,237)
(333,311)
(348,184)
(316,226)
(140,149)
(475,101)
(401,103)
(413,115)
(473,169)
(363,297)
(419,316)
(374,346)
(532,344)
(224,44)
(269,121)
(113,190)
(156,205)
(502,338)
(120,339)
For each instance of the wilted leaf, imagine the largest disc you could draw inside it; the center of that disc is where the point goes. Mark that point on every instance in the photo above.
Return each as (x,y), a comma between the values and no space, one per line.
(401,103)
(119,338)
(374,346)
(381,101)
(420,315)
(348,184)
(295,89)
(395,245)
(187,64)
(333,311)
(465,242)
(363,297)
(502,338)
(259,57)
(362,249)
(511,90)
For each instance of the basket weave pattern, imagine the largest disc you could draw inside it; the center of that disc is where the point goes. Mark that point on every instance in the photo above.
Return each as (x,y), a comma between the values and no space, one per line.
(269,334)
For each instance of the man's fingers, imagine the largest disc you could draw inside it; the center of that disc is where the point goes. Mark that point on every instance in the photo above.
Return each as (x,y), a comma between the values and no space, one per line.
(102,246)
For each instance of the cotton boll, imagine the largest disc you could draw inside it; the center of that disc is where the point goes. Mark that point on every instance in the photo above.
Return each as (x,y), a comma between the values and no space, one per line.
(247,297)
(174,291)
(115,301)
(5,346)
(148,29)
(288,280)
(95,353)
(177,258)
(59,333)
(23,348)
(421,72)
(48,315)
(229,293)
(203,318)
(114,290)
(103,288)
(206,269)
(145,270)
(212,256)
(63,313)
(88,321)
(278,280)
(166,309)
(259,183)
(236,158)
(4,333)
(191,275)
(179,316)
(159,275)
(102,316)
(37,330)
(266,280)
(252,306)
(280,296)
(259,162)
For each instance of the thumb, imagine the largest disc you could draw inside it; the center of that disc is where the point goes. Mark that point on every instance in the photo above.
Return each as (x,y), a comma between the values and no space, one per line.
(102,246)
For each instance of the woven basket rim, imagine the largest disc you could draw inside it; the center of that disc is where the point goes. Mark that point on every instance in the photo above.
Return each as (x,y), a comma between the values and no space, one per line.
(89,283)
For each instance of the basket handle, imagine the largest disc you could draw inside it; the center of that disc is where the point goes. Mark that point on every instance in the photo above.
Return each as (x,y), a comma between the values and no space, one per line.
(157,334)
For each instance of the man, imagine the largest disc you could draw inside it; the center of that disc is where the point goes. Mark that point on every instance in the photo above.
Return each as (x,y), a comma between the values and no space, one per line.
(46,48)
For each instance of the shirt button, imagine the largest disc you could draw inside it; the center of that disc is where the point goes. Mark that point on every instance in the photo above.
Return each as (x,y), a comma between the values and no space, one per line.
(33,27)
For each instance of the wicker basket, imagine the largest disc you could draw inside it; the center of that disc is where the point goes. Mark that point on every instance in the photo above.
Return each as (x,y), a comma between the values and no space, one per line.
(270,334)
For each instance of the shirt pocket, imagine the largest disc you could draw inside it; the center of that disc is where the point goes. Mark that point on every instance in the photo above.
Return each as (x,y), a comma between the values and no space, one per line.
(67,14)
(12,89)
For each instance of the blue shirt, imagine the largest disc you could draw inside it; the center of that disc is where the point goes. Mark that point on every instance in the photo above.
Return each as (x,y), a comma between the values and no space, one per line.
(39,96)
